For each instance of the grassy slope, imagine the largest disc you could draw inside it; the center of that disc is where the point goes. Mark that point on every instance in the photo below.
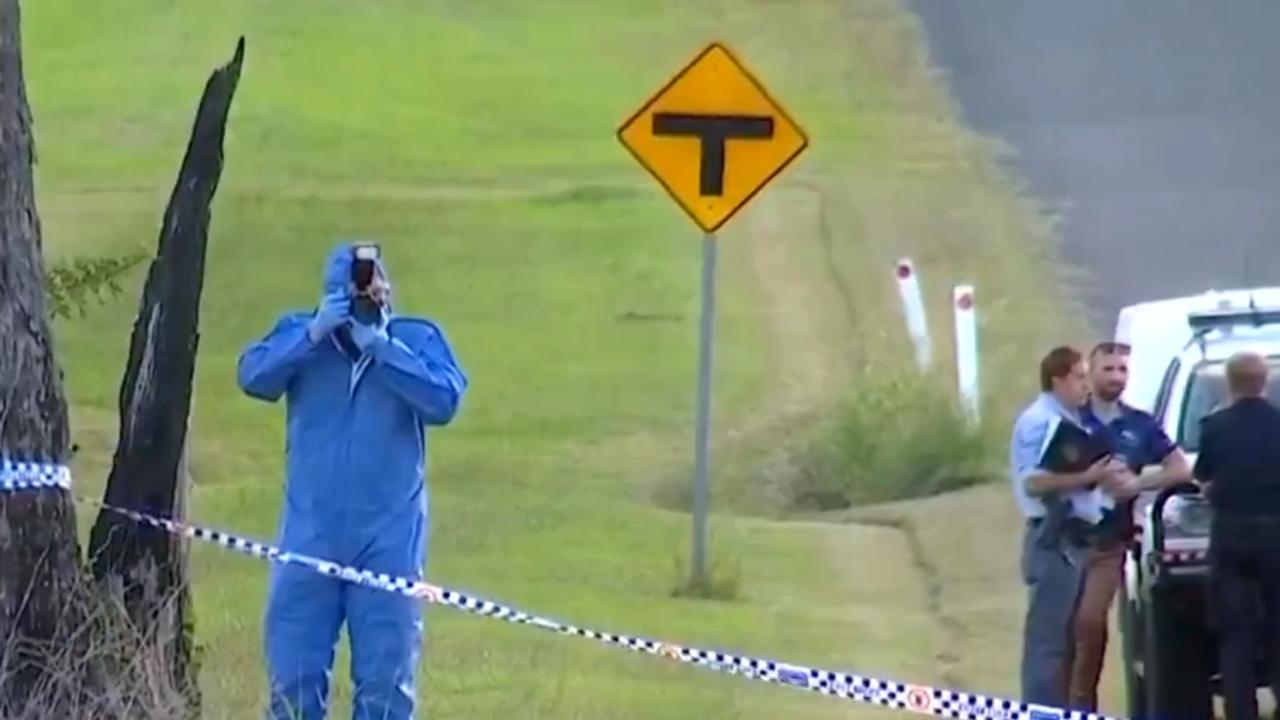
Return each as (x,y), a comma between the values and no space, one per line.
(968,539)
(402,123)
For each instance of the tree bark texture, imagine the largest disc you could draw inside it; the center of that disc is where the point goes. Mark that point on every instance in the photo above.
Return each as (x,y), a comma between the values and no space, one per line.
(145,565)
(39,552)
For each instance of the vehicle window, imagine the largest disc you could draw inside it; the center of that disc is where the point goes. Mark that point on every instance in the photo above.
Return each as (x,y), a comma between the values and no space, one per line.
(1207,393)
(1166,386)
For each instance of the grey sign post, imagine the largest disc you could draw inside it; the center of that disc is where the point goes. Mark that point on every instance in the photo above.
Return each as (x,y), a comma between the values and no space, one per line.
(702,459)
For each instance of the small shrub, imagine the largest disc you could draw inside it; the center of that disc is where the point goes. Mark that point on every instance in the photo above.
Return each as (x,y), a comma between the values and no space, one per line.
(895,438)
(71,285)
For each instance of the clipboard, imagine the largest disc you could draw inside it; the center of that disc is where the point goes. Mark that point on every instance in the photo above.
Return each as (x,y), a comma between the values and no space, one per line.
(1073,449)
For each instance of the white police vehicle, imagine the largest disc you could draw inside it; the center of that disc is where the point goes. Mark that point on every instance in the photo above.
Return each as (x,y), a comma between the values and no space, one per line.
(1179,349)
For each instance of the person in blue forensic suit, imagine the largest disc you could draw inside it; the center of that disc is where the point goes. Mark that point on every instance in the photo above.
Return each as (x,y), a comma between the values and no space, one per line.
(360,391)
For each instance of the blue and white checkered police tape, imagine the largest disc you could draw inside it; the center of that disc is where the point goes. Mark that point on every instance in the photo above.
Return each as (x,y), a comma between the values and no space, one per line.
(920,699)
(29,476)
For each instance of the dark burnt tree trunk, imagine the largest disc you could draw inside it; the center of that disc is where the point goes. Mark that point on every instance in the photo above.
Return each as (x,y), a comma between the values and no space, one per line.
(39,553)
(146,566)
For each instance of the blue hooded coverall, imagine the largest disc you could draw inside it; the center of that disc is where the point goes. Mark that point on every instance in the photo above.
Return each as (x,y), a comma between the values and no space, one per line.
(355,494)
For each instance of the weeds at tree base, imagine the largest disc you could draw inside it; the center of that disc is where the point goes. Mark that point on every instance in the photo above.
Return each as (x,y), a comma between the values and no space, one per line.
(100,667)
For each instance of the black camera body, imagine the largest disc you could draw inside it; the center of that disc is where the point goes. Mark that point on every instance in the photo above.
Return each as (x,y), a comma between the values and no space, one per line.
(364,307)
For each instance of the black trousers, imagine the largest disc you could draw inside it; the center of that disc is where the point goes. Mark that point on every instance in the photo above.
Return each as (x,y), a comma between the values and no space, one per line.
(1244,604)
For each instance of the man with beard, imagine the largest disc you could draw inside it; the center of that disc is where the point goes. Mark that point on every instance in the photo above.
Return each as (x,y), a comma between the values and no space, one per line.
(1153,461)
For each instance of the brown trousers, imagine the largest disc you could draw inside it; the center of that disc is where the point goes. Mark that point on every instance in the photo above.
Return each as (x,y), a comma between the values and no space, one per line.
(1104,570)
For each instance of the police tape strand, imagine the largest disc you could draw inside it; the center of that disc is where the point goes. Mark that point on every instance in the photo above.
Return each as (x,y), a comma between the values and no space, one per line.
(894,695)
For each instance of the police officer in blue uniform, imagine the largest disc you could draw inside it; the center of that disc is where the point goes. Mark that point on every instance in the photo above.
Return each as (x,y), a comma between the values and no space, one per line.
(1058,506)
(1239,467)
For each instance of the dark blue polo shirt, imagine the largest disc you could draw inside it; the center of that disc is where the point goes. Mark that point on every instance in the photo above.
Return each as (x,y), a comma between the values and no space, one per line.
(1134,436)
(1136,439)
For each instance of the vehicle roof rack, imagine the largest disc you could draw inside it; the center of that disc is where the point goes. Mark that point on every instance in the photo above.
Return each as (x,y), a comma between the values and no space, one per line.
(1202,321)
(1225,318)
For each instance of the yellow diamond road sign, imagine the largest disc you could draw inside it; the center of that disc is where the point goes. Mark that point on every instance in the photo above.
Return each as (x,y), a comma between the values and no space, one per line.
(713,137)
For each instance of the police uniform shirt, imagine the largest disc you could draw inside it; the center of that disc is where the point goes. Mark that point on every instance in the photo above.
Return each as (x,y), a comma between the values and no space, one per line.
(1240,457)
(1033,431)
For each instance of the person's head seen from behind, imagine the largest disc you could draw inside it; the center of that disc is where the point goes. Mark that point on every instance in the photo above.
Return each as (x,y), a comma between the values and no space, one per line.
(1246,375)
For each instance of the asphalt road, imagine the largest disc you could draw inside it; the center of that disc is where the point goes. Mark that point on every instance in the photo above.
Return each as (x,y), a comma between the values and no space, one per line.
(1152,122)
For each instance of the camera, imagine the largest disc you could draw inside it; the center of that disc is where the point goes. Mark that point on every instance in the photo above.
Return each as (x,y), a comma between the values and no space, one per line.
(365,307)
(363,266)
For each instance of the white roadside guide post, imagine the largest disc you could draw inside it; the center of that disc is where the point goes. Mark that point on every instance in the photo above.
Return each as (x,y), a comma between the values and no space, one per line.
(967,349)
(713,138)
(913,310)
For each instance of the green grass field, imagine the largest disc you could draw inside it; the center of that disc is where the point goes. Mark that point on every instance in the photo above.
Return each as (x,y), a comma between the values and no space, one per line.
(475,142)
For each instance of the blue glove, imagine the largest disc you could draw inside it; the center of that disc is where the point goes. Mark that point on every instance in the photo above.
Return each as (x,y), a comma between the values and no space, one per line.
(365,336)
(334,310)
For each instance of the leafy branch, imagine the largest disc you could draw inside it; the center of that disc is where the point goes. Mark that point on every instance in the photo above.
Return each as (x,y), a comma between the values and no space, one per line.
(73,283)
